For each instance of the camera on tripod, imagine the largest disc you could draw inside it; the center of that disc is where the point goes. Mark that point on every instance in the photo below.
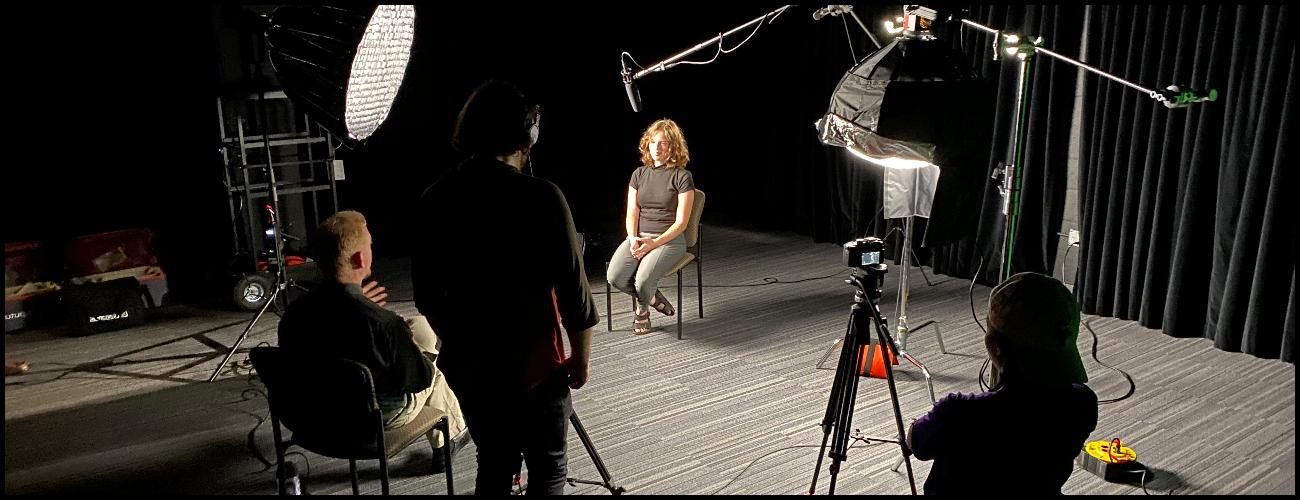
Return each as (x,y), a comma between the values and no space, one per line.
(866,254)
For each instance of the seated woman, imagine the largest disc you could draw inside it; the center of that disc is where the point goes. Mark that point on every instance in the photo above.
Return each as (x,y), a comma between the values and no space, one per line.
(659,200)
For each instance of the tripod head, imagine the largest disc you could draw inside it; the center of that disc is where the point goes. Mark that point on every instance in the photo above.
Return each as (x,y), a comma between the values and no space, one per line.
(869,282)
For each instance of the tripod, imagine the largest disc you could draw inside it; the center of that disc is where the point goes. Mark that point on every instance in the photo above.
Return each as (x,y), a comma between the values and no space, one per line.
(282,280)
(839,407)
(595,458)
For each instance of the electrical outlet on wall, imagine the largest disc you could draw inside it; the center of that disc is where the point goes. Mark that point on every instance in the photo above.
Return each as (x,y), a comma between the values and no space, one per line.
(1073,237)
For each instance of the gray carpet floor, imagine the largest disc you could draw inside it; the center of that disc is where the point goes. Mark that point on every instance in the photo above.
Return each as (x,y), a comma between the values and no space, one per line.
(733,408)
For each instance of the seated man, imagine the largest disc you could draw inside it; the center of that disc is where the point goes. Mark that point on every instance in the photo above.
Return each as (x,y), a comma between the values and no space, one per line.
(340,318)
(1024,434)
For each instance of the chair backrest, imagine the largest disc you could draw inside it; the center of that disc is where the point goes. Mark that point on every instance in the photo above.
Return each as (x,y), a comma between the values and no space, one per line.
(328,403)
(693,226)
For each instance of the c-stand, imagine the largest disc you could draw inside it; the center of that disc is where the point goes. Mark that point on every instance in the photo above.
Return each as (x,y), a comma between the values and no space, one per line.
(839,407)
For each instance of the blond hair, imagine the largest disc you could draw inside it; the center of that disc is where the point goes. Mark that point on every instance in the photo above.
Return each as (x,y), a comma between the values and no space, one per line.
(336,239)
(678,154)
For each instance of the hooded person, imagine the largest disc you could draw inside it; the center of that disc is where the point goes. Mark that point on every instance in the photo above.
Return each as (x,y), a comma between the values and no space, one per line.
(1038,408)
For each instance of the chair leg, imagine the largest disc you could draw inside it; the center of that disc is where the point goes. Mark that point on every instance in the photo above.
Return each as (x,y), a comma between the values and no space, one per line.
(383,471)
(679,304)
(699,284)
(352,465)
(279,455)
(609,300)
(699,266)
(444,425)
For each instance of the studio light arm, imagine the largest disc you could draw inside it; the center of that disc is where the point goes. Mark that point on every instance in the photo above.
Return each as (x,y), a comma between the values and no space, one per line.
(1024,49)
(1172,96)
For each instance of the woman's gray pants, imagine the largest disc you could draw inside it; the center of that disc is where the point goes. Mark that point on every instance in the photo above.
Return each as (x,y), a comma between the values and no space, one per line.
(640,278)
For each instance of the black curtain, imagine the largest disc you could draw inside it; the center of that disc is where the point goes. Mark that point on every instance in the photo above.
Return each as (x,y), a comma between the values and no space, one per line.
(851,207)
(1051,102)
(1188,215)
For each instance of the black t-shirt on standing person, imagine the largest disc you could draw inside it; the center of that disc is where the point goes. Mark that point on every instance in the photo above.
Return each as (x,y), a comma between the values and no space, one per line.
(656,193)
(497,272)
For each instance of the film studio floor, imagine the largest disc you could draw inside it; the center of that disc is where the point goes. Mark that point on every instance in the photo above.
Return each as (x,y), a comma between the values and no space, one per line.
(130,411)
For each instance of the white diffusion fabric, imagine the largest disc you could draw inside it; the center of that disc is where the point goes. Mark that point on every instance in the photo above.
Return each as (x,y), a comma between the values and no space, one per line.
(909,191)
(378,68)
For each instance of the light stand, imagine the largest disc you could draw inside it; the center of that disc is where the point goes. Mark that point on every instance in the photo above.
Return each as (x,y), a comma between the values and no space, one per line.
(1024,49)
(909,193)
(282,280)
(903,290)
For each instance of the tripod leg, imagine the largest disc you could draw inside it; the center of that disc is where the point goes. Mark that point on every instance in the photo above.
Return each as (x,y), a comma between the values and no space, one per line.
(235,347)
(832,401)
(883,332)
(595,458)
(839,406)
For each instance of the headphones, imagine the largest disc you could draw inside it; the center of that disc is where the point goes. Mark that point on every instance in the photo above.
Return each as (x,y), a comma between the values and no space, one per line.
(532,122)
(534,130)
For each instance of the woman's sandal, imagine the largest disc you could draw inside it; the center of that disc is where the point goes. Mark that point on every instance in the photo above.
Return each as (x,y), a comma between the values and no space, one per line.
(661,304)
(21,367)
(641,323)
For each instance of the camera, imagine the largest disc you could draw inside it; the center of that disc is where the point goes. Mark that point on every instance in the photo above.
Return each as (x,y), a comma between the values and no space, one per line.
(864,253)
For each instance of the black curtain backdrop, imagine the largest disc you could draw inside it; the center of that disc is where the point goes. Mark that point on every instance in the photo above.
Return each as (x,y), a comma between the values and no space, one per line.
(137,86)
(1188,215)
(851,203)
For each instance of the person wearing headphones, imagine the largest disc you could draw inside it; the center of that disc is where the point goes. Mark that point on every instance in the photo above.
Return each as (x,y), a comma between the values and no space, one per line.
(660,196)
(497,274)
(1024,434)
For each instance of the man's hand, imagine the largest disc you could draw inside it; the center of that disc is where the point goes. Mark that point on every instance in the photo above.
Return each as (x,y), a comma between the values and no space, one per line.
(576,368)
(375,292)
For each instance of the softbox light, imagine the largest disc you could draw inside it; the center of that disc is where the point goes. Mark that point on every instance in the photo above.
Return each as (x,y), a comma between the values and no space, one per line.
(915,104)
(343,65)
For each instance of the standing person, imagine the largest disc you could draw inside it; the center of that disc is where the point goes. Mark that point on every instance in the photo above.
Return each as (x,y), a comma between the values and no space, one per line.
(1024,433)
(342,317)
(497,274)
(660,196)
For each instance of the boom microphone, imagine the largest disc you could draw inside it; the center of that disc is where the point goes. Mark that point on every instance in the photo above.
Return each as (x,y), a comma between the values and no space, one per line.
(629,85)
